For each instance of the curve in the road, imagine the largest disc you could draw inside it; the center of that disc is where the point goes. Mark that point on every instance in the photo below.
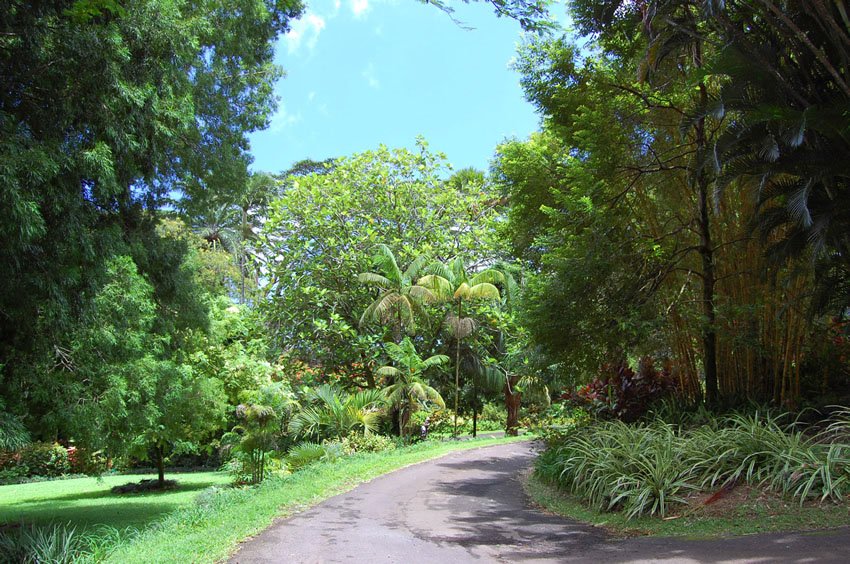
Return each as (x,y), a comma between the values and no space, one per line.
(469,506)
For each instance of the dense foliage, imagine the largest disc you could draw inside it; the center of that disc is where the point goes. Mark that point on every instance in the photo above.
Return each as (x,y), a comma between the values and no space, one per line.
(652,468)
(677,231)
(676,197)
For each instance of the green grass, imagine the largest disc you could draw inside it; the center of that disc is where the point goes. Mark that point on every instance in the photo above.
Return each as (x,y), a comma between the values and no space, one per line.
(747,513)
(87,502)
(211,529)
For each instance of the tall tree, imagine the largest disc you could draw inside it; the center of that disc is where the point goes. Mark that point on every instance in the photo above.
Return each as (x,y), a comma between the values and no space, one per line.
(106,108)
(323,230)
(453,283)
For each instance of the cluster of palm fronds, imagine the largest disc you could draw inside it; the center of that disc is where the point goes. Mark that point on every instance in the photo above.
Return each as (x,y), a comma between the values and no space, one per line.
(646,469)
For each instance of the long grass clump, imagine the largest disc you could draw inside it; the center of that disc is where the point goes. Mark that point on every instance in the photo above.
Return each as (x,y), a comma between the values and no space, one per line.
(648,468)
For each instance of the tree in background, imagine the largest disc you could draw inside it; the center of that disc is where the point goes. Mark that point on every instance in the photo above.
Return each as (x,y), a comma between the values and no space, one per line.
(453,284)
(323,230)
(400,298)
(611,205)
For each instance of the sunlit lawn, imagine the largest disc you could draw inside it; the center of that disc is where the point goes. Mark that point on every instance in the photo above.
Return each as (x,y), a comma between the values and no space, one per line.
(88,501)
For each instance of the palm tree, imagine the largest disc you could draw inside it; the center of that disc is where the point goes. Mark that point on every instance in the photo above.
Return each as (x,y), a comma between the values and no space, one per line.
(399,297)
(452,283)
(217,225)
(256,435)
(333,413)
(408,387)
(230,223)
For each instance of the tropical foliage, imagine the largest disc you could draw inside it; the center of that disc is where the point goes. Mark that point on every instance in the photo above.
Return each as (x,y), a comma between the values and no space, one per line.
(407,387)
(671,243)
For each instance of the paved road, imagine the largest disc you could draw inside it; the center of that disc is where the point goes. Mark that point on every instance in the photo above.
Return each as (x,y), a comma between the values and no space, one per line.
(469,507)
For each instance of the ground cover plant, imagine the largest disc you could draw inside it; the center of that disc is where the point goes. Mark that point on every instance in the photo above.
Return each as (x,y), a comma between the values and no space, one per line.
(658,468)
(744,511)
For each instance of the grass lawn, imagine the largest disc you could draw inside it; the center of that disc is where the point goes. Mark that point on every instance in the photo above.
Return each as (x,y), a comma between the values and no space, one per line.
(743,511)
(211,530)
(86,502)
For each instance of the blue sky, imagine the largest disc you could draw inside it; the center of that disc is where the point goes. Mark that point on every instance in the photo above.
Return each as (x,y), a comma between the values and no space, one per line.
(365,72)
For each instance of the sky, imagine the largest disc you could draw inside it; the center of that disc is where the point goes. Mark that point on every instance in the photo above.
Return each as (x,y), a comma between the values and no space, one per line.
(360,73)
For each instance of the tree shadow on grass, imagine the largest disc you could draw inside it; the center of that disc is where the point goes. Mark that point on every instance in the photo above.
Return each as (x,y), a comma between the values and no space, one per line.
(107,493)
(135,514)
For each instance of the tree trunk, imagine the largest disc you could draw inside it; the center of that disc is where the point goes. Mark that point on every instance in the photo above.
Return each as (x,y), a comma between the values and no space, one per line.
(457,363)
(367,372)
(242,252)
(160,465)
(474,406)
(513,400)
(706,251)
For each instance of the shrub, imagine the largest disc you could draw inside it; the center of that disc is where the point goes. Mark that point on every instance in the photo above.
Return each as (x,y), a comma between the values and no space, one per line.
(557,422)
(45,459)
(642,469)
(358,442)
(492,417)
(86,461)
(57,544)
(243,469)
(621,393)
(442,421)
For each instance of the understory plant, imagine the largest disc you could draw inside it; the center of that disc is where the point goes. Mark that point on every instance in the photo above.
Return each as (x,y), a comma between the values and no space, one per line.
(58,543)
(619,392)
(648,468)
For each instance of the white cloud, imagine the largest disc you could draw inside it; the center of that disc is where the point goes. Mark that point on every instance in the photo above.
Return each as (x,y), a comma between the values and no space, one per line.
(304,31)
(359,7)
(311,96)
(283,119)
(369,74)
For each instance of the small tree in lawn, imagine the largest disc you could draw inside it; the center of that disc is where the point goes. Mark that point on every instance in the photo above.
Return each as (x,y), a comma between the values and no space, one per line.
(408,388)
(180,412)
(132,399)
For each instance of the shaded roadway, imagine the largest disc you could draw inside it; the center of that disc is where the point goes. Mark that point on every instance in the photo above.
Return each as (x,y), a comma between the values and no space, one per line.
(469,506)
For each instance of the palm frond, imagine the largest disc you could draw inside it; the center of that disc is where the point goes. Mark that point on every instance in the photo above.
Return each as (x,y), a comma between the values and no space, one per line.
(438,285)
(374,279)
(385,260)
(390,371)
(436,360)
(483,291)
(415,267)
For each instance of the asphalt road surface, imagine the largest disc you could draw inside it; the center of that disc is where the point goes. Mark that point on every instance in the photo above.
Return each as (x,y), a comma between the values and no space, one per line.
(469,506)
